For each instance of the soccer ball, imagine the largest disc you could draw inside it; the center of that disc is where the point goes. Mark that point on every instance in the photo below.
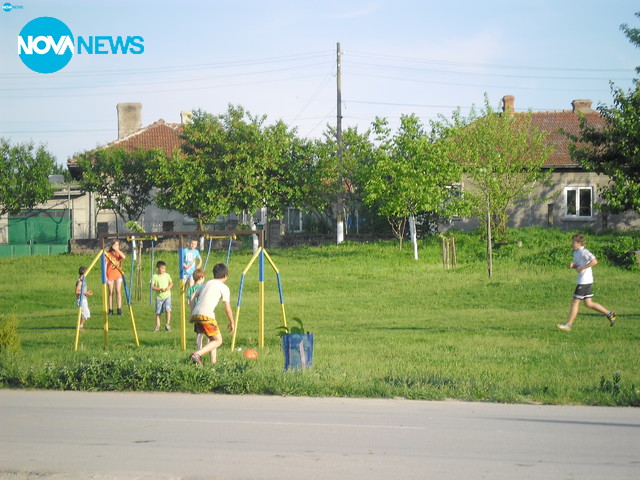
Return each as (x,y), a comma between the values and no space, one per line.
(250,354)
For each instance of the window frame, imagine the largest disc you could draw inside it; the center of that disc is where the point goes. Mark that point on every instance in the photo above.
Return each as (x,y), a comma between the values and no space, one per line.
(577,216)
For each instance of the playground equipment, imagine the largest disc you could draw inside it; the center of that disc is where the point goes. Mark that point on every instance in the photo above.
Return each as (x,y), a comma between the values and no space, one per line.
(261,254)
(102,256)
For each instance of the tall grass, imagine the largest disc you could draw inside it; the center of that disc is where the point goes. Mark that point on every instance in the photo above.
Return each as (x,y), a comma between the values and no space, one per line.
(385,325)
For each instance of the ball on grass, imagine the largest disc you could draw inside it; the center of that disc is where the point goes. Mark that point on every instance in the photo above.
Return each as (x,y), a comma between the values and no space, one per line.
(250,354)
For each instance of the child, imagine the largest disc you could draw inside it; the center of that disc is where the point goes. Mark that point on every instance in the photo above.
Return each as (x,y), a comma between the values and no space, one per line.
(198,278)
(192,260)
(84,304)
(114,275)
(583,261)
(203,315)
(161,283)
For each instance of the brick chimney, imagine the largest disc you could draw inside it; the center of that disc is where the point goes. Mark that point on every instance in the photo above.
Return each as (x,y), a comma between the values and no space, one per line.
(582,106)
(129,118)
(508,102)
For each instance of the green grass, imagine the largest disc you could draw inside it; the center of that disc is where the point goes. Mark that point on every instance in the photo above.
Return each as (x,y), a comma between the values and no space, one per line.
(385,325)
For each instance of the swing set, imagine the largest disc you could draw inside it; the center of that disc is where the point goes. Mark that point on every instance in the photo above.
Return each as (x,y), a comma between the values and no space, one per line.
(260,255)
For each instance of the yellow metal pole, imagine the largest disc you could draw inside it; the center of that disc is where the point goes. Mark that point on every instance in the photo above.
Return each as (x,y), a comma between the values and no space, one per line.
(75,344)
(105,315)
(235,329)
(133,324)
(261,314)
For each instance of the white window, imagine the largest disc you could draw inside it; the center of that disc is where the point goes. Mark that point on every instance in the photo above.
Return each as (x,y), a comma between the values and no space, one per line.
(578,203)
(294,220)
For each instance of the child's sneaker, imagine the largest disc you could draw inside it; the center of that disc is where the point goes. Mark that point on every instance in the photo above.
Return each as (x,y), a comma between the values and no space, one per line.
(611,316)
(195,358)
(157,329)
(167,327)
(564,326)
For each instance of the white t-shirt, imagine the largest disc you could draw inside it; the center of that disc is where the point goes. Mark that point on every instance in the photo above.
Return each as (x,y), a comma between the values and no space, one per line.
(581,257)
(208,297)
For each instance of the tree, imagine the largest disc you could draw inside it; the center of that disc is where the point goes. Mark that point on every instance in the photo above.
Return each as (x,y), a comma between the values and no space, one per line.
(357,155)
(614,149)
(121,180)
(502,156)
(24,172)
(411,173)
(230,162)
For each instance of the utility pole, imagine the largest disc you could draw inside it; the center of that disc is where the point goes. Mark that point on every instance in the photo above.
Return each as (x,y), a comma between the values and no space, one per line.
(340,202)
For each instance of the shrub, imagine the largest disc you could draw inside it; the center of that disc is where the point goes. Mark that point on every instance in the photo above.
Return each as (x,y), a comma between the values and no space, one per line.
(9,338)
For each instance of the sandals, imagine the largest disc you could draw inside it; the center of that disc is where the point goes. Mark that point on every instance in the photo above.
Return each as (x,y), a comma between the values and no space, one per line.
(195,358)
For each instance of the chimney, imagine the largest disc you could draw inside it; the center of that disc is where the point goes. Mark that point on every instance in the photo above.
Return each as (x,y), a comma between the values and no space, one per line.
(186,117)
(129,118)
(582,106)
(508,102)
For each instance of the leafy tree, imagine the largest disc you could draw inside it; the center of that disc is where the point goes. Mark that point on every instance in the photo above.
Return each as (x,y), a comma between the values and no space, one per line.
(502,156)
(357,155)
(24,172)
(614,150)
(411,173)
(121,180)
(230,162)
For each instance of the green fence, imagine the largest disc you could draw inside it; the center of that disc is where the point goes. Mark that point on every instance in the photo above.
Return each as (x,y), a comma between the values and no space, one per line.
(14,251)
(37,232)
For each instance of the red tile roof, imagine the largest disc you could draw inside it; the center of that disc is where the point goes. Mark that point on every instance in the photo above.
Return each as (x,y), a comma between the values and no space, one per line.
(160,134)
(557,122)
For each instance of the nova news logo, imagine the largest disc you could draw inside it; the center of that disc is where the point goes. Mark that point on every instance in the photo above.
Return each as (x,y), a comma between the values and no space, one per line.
(46,45)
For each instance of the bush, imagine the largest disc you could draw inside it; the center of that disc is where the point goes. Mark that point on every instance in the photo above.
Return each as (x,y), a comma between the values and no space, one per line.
(9,338)
(619,251)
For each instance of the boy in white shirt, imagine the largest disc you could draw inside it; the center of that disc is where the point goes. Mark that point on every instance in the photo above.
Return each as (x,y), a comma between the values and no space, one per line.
(203,314)
(583,261)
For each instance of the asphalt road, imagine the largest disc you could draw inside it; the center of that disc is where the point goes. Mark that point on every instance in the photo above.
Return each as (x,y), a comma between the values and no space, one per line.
(71,435)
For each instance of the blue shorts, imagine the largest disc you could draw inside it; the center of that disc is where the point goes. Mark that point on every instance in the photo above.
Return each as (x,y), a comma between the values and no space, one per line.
(163,305)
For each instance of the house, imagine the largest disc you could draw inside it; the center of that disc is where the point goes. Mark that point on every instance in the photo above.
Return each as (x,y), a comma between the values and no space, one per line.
(573,192)
(132,136)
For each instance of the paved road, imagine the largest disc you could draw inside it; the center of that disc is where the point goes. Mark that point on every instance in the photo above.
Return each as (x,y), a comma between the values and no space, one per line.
(70,435)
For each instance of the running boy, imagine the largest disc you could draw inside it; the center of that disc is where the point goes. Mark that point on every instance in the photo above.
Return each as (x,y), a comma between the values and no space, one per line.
(161,283)
(583,261)
(192,261)
(203,315)
(84,303)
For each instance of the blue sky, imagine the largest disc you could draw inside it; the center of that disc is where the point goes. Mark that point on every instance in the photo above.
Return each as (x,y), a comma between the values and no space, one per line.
(278,58)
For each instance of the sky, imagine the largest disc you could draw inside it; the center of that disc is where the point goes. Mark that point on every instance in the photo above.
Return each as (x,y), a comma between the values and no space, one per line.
(278,58)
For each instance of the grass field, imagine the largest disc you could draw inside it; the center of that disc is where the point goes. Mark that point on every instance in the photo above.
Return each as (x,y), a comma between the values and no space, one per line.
(385,325)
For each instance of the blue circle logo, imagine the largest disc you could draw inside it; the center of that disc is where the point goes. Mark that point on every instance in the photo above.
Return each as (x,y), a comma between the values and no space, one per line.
(7,7)
(45,45)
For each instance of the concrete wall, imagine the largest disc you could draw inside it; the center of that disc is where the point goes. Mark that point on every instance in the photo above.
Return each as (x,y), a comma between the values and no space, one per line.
(550,212)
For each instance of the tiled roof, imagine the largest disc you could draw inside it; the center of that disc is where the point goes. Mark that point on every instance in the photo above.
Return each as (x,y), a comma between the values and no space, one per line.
(160,134)
(557,122)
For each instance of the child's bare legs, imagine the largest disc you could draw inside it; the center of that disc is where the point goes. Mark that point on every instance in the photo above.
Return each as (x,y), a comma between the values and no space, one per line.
(575,304)
(110,283)
(211,347)
(199,338)
(82,320)
(595,306)
(118,293)
(158,321)
(168,318)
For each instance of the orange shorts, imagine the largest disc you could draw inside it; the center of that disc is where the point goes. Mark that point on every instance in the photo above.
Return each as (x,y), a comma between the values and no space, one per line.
(206,325)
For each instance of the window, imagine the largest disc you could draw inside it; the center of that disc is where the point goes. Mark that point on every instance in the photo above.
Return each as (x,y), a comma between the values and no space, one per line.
(294,220)
(167,226)
(578,203)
